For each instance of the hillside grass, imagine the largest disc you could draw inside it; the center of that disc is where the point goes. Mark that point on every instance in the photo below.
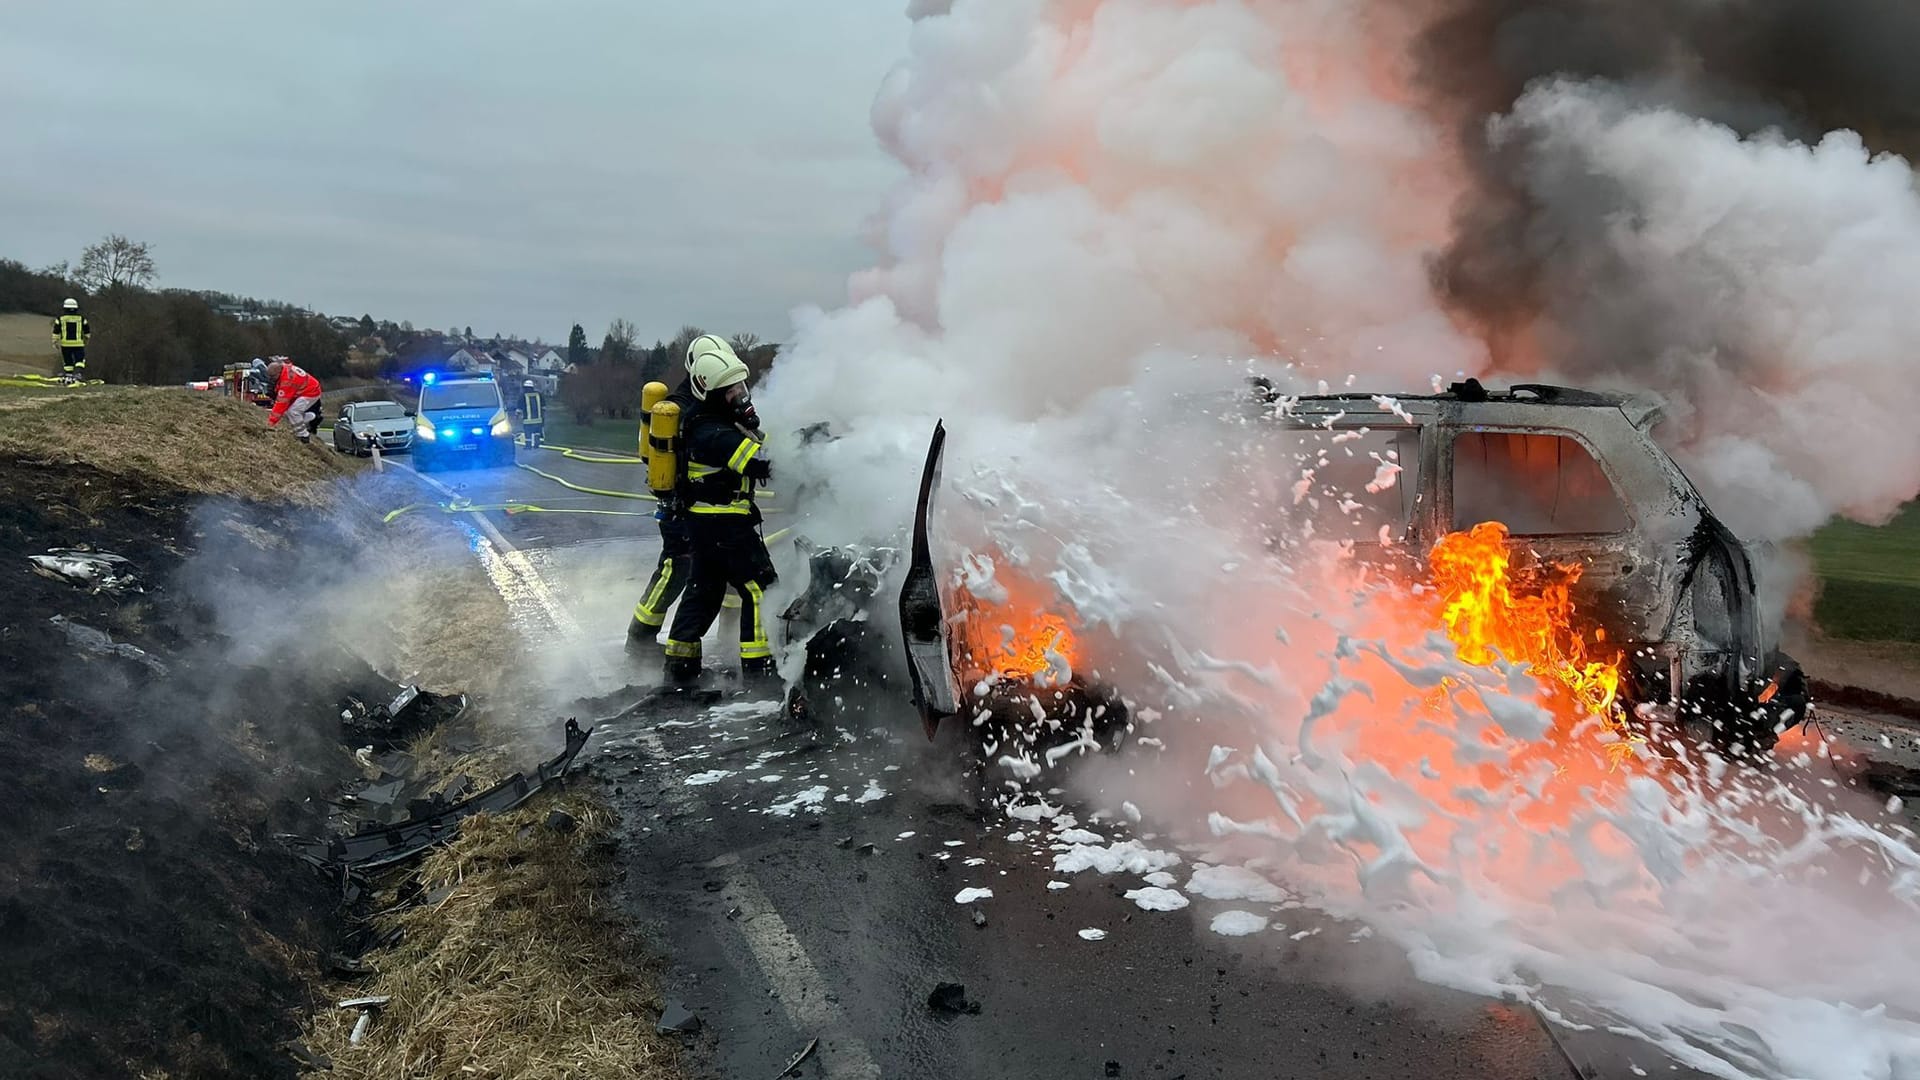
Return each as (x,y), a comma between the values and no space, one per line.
(26,345)
(192,440)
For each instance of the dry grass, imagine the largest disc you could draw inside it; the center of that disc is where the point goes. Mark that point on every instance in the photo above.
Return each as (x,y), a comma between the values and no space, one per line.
(196,442)
(522,971)
(26,344)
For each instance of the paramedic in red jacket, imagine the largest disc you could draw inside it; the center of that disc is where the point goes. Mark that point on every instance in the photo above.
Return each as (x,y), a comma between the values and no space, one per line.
(295,393)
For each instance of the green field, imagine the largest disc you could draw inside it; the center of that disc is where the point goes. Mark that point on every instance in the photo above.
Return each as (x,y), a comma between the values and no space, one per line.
(620,436)
(1870,578)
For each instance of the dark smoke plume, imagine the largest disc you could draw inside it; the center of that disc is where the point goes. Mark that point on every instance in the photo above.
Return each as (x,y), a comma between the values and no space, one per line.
(1659,200)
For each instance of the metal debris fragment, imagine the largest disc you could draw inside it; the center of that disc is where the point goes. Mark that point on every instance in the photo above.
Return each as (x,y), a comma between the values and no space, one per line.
(87,639)
(799,1058)
(98,571)
(384,845)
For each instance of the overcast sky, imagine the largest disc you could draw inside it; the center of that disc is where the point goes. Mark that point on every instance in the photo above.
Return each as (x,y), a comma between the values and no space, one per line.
(516,165)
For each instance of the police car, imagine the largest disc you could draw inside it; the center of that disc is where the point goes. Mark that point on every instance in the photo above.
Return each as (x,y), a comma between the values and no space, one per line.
(461,418)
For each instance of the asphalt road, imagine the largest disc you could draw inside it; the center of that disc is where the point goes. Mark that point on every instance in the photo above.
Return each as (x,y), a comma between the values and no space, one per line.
(746,862)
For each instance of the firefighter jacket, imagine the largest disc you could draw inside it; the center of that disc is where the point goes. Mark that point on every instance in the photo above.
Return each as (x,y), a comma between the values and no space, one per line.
(531,411)
(722,464)
(294,383)
(71,331)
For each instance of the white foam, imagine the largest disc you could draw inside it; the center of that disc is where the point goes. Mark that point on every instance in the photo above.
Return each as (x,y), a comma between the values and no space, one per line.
(1233,883)
(968,896)
(1157,899)
(810,800)
(1237,923)
(1125,857)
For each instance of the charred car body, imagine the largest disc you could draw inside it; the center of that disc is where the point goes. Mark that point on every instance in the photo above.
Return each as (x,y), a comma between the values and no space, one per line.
(1577,479)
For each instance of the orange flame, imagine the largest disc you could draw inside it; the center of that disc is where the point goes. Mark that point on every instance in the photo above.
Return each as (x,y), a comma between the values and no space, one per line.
(1016,639)
(1484,616)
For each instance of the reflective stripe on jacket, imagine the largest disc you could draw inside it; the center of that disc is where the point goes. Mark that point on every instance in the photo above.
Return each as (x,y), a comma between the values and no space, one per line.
(71,331)
(717,455)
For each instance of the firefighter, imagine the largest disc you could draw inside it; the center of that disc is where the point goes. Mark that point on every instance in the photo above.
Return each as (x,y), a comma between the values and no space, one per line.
(70,333)
(675,565)
(296,394)
(533,416)
(725,461)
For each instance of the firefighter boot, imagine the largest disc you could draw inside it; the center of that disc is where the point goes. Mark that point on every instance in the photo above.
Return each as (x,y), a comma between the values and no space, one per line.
(682,671)
(759,677)
(641,637)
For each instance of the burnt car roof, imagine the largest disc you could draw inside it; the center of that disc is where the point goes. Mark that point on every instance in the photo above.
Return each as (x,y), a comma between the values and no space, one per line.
(1460,399)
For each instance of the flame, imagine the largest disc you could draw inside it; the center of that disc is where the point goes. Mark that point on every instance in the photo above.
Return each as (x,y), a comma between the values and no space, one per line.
(1014,637)
(1487,620)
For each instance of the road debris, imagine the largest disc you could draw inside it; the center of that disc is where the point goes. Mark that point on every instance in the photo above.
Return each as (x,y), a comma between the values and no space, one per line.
(677,1019)
(378,845)
(979,917)
(800,1058)
(98,643)
(96,571)
(1093,934)
(394,723)
(368,1006)
(968,896)
(951,999)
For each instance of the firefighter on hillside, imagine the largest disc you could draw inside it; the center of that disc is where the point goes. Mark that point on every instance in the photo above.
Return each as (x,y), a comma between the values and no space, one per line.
(533,414)
(724,463)
(296,395)
(70,334)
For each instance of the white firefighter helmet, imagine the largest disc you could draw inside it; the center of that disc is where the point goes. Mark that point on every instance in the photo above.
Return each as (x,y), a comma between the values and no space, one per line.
(70,304)
(712,365)
(527,384)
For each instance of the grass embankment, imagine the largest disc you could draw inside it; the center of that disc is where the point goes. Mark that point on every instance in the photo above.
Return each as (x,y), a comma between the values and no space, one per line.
(512,969)
(1870,579)
(196,442)
(523,969)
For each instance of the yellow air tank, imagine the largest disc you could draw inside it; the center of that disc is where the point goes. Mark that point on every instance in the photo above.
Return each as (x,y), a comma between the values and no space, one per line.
(663,433)
(650,395)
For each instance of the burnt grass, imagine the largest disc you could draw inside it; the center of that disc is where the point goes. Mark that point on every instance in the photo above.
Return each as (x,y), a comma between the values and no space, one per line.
(151,925)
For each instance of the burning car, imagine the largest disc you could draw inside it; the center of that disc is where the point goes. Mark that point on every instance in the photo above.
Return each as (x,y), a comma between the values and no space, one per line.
(1555,528)
(1565,494)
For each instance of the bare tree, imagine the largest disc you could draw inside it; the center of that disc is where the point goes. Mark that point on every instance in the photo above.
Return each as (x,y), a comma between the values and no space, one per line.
(619,346)
(677,348)
(744,342)
(115,261)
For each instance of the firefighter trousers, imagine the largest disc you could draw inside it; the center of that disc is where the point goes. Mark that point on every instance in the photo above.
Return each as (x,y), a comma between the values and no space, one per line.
(670,575)
(727,552)
(73,359)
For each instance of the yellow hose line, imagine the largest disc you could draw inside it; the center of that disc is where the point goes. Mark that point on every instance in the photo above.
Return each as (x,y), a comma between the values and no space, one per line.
(570,485)
(565,483)
(597,457)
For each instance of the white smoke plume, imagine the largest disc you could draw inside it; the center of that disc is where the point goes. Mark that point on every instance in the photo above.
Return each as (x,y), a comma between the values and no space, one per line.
(1761,285)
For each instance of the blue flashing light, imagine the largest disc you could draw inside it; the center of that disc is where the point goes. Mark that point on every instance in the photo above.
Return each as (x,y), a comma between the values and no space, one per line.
(449,432)
(429,378)
(479,431)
